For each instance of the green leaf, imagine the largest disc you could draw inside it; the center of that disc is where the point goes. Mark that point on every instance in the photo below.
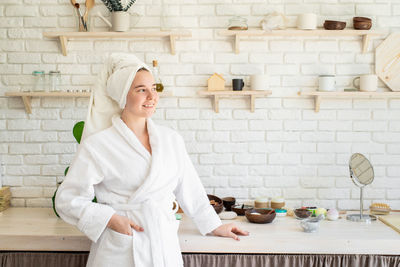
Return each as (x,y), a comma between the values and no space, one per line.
(78,130)
(53,199)
(66,171)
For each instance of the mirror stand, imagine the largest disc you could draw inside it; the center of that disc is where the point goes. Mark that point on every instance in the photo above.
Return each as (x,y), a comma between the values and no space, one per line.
(360,217)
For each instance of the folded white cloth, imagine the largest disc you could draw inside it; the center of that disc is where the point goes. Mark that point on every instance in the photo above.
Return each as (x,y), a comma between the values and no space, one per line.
(109,93)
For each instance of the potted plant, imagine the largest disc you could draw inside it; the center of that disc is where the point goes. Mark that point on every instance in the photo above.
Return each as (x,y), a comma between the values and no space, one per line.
(119,15)
(77,132)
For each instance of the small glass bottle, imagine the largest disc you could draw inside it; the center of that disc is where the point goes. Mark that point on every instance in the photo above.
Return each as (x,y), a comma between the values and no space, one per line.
(55,80)
(40,82)
(159,85)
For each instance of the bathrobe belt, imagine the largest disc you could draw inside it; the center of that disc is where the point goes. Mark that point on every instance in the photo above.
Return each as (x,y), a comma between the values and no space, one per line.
(150,209)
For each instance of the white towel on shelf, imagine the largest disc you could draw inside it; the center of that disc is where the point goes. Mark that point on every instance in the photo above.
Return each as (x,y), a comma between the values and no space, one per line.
(108,96)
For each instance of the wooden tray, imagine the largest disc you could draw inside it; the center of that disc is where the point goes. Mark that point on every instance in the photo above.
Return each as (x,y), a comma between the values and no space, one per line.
(387,57)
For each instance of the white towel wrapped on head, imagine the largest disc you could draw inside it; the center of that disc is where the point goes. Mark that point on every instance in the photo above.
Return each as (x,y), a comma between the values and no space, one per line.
(109,93)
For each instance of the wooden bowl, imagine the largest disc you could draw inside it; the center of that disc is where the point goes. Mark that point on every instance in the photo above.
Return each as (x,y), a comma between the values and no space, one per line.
(218,207)
(302,213)
(241,209)
(334,25)
(361,19)
(264,216)
(228,202)
(362,23)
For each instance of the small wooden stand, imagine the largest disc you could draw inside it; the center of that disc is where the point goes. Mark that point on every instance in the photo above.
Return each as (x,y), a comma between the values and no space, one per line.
(218,94)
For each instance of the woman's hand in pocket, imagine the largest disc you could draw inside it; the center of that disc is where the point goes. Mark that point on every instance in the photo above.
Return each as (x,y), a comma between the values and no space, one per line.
(123,225)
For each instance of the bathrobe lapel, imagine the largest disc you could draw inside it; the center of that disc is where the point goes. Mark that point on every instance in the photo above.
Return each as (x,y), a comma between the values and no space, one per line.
(130,138)
(149,194)
(155,159)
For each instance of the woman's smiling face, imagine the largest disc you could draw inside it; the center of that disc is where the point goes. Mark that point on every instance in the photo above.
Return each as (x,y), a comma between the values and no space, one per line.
(142,97)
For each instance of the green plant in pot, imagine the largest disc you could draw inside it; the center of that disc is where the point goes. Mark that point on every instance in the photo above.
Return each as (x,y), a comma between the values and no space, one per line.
(77,132)
(120,18)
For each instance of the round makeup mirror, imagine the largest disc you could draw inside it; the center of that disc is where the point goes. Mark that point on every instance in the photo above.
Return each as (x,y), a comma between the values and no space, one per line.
(362,174)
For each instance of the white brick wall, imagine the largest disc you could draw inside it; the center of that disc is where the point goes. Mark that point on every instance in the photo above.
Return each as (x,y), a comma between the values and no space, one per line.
(283,148)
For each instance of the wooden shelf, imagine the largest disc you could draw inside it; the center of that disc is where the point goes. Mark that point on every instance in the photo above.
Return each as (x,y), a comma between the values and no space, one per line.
(64,37)
(27,96)
(228,93)
(319,95)
(366,34)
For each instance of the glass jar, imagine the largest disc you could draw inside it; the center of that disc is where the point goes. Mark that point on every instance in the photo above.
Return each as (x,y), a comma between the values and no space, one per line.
(39,84)
(237,23)
(55,80)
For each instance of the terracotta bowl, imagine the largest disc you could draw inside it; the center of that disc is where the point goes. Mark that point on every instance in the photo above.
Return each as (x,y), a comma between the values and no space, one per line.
(241,209)
(334,25)
(228,202)
(265,216)
(302,213)
(218,207)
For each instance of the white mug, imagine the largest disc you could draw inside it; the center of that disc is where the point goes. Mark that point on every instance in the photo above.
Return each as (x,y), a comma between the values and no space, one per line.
(307,21)
(326,83)
(367,83)
(259,82)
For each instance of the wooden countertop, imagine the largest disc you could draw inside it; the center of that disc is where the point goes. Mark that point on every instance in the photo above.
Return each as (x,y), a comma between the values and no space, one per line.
(38,229)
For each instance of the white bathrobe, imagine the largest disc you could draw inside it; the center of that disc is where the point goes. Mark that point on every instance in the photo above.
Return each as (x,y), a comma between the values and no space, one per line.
(126,179)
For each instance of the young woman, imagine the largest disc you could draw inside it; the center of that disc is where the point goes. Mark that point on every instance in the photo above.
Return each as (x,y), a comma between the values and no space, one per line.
(136,170)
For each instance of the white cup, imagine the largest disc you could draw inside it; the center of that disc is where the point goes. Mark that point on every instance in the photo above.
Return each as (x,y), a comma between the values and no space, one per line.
(367,83)
(259,82)
(307,21)
(326,83)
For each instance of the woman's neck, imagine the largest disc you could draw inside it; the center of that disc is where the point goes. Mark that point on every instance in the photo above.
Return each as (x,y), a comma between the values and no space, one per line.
(136,124)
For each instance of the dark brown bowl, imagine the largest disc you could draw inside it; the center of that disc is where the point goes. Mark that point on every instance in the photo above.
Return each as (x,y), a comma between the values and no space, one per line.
(362,25)
(359,19)
(218,207)
(228,202)
(334,25)
(265,216)
(302,213)
(241,209)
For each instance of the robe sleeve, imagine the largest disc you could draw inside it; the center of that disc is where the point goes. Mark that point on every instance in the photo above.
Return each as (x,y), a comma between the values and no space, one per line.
(192,196)
(74,196)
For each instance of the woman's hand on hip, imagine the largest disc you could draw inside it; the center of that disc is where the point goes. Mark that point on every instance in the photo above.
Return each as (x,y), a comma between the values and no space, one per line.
(229,230)
(123,225)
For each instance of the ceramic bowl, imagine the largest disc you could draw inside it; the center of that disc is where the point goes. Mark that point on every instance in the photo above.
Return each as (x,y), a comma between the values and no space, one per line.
(218,206)
(241,209)
(334,25)
(228,202)
(260,215)
(310,225)
(302,214)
